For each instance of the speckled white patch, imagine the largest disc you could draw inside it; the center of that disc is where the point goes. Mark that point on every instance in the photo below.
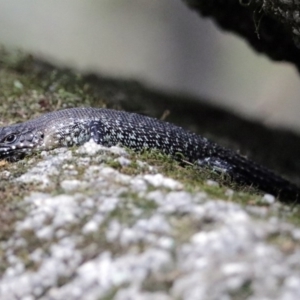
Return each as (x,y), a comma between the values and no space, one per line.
(158,180)
(90,148)
(43,170)
(268,199)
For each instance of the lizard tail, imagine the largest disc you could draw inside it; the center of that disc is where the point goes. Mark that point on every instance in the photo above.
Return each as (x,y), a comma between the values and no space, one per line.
(245,171)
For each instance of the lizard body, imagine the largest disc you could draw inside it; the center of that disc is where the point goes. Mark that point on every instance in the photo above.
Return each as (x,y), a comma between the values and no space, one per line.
(107,127)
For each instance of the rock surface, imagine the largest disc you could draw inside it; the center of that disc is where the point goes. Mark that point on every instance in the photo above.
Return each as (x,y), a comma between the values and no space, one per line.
(108,234)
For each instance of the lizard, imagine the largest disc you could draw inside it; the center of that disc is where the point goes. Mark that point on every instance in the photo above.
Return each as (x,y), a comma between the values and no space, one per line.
(108,127)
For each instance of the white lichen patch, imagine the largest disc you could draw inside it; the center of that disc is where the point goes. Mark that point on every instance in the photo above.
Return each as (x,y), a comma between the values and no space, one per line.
(103,233)
(91,148)
(49,167)
(159,180)
(73,184)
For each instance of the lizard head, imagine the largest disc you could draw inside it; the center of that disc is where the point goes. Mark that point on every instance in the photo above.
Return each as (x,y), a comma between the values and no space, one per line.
(18,140)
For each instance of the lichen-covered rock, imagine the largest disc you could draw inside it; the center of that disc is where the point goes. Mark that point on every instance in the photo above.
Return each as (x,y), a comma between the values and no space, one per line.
(90,231)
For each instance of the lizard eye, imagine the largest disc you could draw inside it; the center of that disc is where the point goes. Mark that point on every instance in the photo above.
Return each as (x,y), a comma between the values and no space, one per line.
(10,138)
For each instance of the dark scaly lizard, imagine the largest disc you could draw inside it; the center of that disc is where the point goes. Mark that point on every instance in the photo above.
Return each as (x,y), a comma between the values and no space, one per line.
(76,126)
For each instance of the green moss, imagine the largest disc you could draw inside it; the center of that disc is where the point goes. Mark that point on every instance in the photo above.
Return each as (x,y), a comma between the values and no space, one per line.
(28,90)
(114,164)
(285,242)
(134,200)
(244,292)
